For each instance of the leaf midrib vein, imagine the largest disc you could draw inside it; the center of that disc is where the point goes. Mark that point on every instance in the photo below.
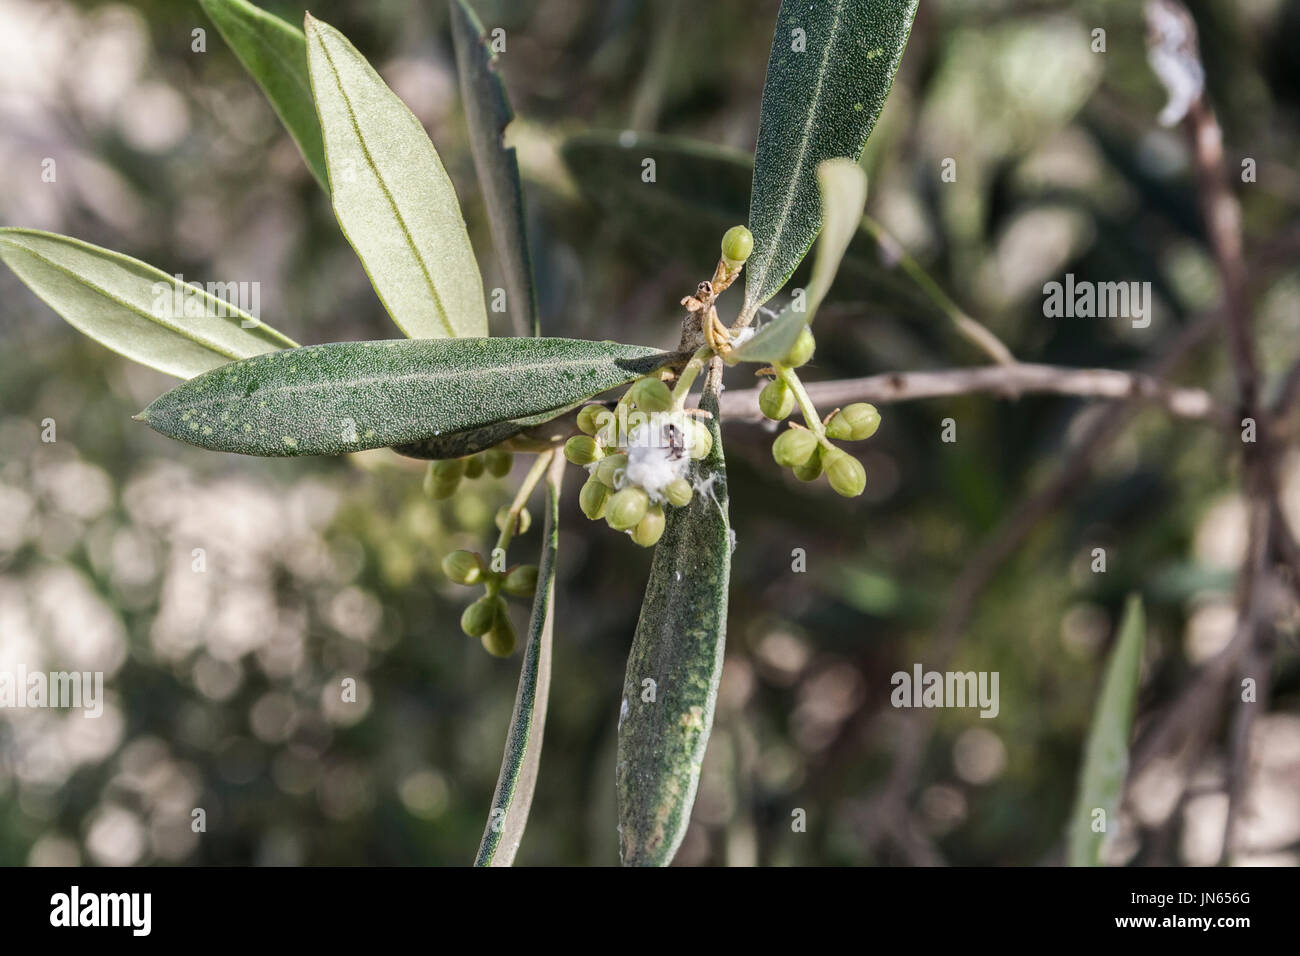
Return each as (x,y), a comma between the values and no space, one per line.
(392,203)
(459,374)
(151,317)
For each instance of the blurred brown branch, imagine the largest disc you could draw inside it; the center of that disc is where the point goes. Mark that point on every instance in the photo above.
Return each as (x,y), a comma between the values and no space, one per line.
(1008,380)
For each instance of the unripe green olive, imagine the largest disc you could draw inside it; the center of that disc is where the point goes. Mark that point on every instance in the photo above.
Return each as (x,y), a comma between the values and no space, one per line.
(845,473)
(609,468)
(522,581)
(702,440)
(854,422)
(811,469)
(498,462)
(590,418)
(463,567)
(649,529)
(737,244)
(776,401)
(500,639)
(679,492)
(651,395)
(592,498)
(521,526)
(793,447)
(582,450)
(474,466)
(802,350)
(477,619)
(626,508)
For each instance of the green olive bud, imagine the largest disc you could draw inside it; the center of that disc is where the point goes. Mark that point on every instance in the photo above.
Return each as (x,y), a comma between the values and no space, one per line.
(838,428)
(626,508)
(651,395)
(439,488)
(478,618)
(679,492)
(737,244)
(609,469)
(802,350)
(776,401)
(853,423)
(500,639)
(582,450)
(863,418)
(811,469)
(649,529)
(463,567)
(521,526)
(592,498)
(522,581)
(441,491)
(793,447)
(702,440)
(474,466)
(498,462)
(590,418)
(845,473)
(447,469)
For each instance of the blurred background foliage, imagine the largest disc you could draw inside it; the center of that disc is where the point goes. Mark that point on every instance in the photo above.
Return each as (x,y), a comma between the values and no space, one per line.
(223,685)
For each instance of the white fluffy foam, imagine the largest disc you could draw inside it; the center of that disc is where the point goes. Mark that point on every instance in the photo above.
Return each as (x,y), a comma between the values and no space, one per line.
(651,463)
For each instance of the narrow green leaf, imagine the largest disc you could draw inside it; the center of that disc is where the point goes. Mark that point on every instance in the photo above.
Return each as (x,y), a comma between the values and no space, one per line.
(830,69)
(275,54)
(1105,761)
(394,201)
(488,113)
(664,726)
(518,778)
(843,188)
(842,185)
(349,396)
(773,342)
(134,309)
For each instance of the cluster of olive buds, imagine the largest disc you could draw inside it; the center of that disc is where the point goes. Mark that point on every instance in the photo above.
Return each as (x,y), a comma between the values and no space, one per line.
(810,455)
(444,477)
(488,618)
(808,450)
(637,456)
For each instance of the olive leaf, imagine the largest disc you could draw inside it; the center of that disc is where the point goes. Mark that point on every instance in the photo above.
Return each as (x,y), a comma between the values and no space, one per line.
(1105,761)
(350,396)
(843,187)
(671,684)
(275,54)
(393,199)
(488,113)
(518,778)
(134,309)
(831,67)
